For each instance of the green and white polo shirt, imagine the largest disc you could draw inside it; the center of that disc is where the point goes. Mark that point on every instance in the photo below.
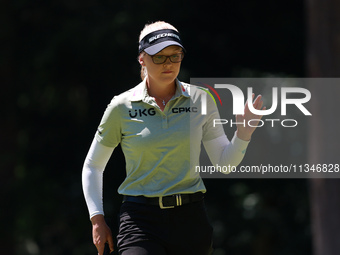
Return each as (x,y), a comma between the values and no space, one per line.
(161,148)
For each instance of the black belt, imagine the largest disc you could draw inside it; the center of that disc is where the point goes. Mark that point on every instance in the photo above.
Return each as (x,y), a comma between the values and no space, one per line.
(166,201)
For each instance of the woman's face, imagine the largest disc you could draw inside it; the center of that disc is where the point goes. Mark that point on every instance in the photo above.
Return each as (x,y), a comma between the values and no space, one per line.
(162,74)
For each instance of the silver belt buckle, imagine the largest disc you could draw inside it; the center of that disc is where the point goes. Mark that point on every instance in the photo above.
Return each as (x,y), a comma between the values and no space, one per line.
(178,199)
(178,202)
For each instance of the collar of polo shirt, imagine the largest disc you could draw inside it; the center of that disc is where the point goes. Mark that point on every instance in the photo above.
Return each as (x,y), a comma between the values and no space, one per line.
(140,92)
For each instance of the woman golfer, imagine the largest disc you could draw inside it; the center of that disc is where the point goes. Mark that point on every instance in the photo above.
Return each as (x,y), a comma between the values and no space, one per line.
(160,126)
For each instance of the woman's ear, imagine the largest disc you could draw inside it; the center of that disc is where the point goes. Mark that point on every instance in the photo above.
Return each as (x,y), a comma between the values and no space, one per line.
(141,61)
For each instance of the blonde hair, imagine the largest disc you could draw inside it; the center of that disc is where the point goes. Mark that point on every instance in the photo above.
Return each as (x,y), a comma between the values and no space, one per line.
(148,28)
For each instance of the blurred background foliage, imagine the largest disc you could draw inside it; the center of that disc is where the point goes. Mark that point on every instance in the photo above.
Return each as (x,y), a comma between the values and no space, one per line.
(63,61)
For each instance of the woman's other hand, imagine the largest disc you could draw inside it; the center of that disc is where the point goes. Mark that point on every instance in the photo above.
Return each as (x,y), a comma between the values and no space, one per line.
(101,234)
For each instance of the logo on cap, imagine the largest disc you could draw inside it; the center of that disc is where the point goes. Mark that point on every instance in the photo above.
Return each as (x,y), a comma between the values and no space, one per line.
(163,35)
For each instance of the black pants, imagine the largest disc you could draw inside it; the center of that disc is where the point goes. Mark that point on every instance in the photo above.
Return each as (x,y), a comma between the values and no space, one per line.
(150,230)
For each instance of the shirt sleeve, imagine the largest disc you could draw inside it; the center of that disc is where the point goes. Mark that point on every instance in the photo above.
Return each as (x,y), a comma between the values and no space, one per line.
(211,131)
(92,176)
(109,131)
